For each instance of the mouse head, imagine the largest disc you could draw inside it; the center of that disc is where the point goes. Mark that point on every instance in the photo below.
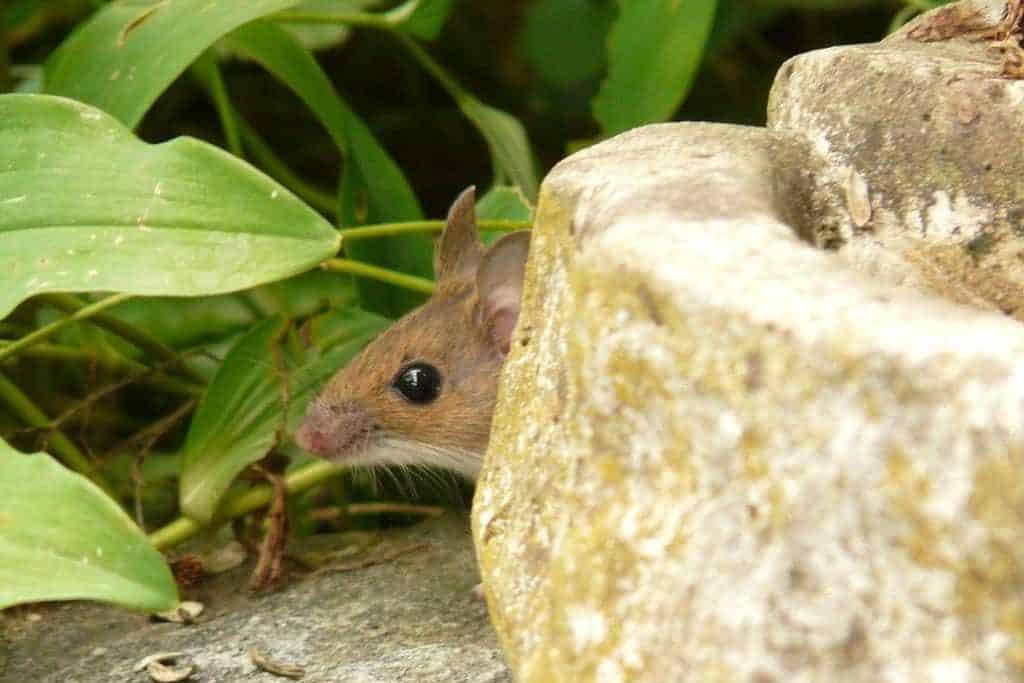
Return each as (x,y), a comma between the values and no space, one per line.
(423,392)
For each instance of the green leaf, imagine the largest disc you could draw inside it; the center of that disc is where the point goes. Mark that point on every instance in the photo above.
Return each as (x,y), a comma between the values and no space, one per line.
(504,134)
(61,538)
(564,58)
(374,188)
(508,144)
(421,18)
(185,323)
(502,202)
(654,52)
(130,51)
(87,207)
(240,415)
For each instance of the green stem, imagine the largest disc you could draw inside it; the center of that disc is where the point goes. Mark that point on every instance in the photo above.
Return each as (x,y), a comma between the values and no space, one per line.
(342,265)
(139,338)
(22,406)
(261,152)
(348,18)
(183,528)
(388,229)
(113,363)
(447,82)
(222,103)
(81,312)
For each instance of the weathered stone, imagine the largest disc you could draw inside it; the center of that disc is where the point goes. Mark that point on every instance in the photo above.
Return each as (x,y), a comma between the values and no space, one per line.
(721,454)
(925,140)
(409,618)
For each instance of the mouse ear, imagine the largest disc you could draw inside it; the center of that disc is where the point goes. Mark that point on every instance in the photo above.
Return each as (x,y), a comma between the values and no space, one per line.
(459,249)
(499,283)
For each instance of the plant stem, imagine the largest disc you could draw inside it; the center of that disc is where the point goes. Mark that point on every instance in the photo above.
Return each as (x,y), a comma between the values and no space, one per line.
(348,18)
(387,229)
(79,312)
(342,265)
(457,92)
(22,406)
(139,338)
(222,103)
(118,364)
(183,528)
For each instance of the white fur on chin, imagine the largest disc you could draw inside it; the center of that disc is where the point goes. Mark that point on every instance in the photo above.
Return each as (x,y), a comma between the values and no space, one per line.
(390,450)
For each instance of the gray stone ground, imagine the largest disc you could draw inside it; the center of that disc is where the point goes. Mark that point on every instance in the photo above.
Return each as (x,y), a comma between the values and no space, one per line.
(411,618)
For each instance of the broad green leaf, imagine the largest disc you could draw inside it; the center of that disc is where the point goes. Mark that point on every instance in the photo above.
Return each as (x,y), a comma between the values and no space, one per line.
(508,144)
(61,538)
(185,323)
(502,203)
(88,207)
(240,415)
(564,58)
(421,18)
(654,51)
(127,54)
(374,188)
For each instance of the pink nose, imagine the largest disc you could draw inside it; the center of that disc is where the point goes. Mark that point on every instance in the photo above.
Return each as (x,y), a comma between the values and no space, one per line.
(312,439)
(334,430)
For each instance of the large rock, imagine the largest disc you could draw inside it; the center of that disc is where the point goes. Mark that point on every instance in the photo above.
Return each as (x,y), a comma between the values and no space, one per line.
(925,139)
(722,454)
(401,618)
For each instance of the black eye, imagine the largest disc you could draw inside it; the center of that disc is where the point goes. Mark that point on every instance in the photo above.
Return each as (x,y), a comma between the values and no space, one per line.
(418,382)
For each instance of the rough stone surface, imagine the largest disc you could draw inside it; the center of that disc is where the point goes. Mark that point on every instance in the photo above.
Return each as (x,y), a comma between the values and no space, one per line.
(412,618)
(925,141)
(721,454)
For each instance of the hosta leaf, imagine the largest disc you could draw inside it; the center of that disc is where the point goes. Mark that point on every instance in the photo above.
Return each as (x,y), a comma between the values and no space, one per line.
(85,206)
(130,51)
(241,413)
(61,538)
(654,51)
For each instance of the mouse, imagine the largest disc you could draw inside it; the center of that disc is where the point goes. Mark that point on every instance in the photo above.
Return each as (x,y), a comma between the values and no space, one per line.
(423,391)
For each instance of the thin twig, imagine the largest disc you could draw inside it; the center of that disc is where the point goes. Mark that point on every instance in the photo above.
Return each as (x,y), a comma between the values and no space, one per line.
(22,406)
(148,437)
(339,511)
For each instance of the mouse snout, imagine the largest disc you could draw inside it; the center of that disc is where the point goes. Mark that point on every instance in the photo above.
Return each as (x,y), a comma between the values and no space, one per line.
(334,430)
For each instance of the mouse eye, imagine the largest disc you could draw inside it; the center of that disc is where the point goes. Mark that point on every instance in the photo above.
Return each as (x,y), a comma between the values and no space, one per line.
(418,382)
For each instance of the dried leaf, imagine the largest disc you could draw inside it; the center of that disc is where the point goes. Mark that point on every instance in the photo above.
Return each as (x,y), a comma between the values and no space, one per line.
(224,558)
(157,657)
(161,673)
(185,613)
(275,667)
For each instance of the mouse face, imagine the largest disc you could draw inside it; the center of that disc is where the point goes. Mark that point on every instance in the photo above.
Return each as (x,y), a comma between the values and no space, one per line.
(423,392)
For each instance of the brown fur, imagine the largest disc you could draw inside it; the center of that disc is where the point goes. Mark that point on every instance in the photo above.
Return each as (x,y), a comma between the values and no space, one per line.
(359,409)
